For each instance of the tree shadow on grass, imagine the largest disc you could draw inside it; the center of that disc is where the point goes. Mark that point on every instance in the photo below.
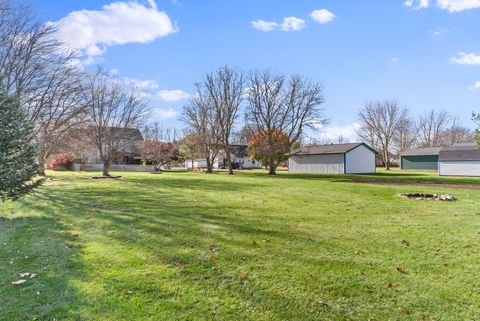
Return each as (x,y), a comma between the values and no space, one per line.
(206,246)
(44,246)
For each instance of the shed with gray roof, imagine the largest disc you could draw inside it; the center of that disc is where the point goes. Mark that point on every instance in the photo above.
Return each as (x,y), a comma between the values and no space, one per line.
(459,160)
(352,158)
(420,158)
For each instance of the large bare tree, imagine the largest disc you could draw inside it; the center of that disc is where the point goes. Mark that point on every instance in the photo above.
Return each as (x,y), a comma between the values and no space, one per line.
(278,105)
(112,112)
(40,71)
(382,121)
(225,88)
(56,107)
(200,117)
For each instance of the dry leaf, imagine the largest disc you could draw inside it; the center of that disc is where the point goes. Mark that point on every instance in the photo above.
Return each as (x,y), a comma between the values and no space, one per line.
(401,270)
(406,242)
(389,285)
(254,242)
(22,275)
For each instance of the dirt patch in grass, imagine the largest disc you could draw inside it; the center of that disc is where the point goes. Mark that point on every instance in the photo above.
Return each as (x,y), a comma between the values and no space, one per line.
(398,183)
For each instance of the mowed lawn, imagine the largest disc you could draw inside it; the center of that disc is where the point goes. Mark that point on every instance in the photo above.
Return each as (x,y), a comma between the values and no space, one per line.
(181,246)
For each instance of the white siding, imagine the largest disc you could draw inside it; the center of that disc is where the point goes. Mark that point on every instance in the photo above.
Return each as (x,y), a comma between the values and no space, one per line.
(459,168)
(322,164)
(360,160)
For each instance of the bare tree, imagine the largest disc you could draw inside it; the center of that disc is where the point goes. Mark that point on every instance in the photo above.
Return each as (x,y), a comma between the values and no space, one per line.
(56,107)
(431,126)
(225,87)
(200,116)
(112,112)
(381,121)
(280,105)
(159,132)
(405,137)
(457,133)
(39,70)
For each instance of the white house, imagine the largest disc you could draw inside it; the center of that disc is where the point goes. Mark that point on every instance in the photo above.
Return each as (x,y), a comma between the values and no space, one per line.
(353,158)
(238,154)
(459,160)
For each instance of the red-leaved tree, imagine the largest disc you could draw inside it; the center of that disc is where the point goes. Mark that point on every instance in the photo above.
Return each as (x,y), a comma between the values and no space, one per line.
(271,148)
(158,153)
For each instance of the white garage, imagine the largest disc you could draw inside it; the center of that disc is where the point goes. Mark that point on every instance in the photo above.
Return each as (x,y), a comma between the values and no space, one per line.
(352,158)
(459,160)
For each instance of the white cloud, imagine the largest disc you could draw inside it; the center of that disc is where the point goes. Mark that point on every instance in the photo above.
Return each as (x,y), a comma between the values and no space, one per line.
(322,16)
(416,4)
(292,24)
(162,114)
(450,5)
(141,83)
(332,133)
(438,31)
(464,58)
(118,23)
(172,95)
(264,25)
(395,59)
(458,5)
(475,86)
(288,24)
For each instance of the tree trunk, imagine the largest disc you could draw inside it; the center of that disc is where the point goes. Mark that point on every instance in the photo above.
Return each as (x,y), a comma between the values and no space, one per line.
(271,167)
(41,167)
(229,160)
(106,167)
(209,165)
(42,159)
(386,159)
(193,163)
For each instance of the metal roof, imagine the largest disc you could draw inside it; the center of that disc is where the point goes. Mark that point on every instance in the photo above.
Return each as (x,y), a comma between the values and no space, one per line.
(329,149)
(460,152)
(422,151)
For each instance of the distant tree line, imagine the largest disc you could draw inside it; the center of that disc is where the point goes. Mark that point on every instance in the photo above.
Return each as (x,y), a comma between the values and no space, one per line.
(390,128)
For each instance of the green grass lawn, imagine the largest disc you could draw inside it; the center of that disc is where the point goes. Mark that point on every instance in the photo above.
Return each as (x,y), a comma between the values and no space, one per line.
(181,246)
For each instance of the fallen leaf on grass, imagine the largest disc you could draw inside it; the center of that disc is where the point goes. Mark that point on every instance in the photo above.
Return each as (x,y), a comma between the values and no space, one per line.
(324,304)
(244,275)
(22,275)
(19,282)
(254,242)
(407,243)
(389,285)
(401,270)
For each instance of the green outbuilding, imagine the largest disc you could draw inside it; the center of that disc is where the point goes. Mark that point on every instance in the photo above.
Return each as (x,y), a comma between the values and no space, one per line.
(420,158)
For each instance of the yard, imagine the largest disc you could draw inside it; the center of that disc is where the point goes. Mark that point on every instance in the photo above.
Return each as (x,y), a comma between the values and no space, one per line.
(181,246)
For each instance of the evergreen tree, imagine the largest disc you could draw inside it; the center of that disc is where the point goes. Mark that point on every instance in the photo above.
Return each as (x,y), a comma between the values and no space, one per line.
(17,152)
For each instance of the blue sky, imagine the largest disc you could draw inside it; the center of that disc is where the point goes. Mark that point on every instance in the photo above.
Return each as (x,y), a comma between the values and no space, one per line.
(425,53)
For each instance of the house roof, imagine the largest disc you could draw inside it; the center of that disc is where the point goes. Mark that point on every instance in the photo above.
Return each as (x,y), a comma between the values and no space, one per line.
(239,151)
(460,152)
(330,149)
(130,133)
(428,151)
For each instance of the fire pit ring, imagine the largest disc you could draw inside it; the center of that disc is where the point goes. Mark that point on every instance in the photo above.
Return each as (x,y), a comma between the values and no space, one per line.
(431,197)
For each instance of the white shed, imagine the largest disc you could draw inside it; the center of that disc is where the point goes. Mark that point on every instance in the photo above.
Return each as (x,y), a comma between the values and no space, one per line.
(459,160)
(353,158)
